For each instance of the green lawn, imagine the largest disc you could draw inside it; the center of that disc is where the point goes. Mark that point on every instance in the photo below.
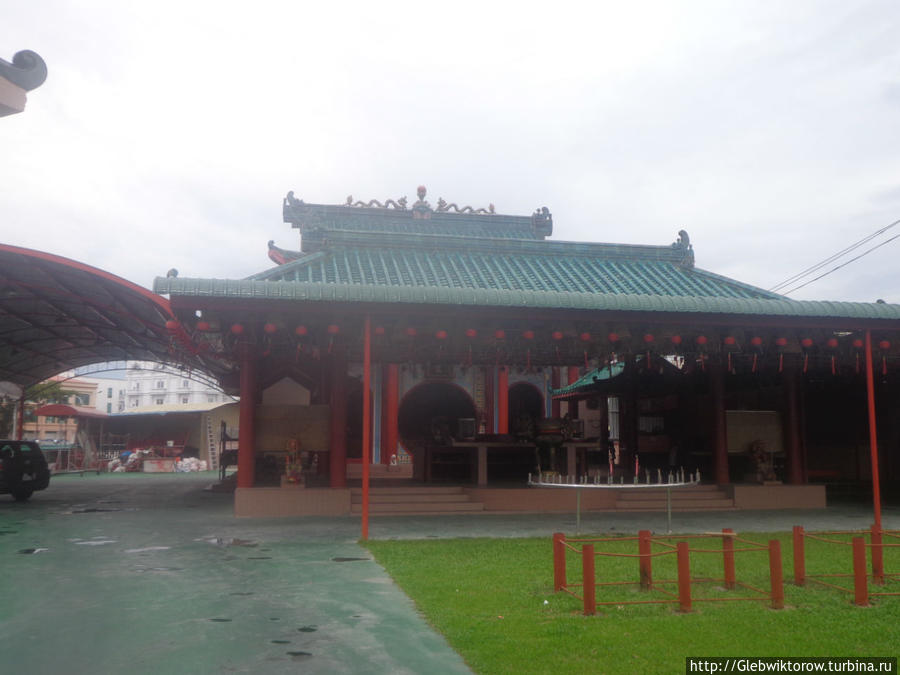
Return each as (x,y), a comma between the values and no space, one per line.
(493,600)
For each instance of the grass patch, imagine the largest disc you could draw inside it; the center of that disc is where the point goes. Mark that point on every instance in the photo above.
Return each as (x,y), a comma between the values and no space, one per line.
(487,597)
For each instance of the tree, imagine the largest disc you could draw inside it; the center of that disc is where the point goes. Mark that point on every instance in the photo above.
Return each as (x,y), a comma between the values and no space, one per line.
(42,393)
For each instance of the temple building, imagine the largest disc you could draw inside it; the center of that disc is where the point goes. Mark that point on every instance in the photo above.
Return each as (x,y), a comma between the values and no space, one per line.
(489,352)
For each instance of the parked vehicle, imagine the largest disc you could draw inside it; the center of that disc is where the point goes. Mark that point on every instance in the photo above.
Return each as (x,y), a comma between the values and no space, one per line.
(23,469)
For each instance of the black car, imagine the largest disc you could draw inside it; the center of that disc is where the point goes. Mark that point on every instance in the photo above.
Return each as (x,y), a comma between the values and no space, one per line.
(23,469)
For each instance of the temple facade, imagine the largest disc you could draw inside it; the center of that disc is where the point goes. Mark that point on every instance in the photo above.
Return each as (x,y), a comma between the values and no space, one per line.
(478,338)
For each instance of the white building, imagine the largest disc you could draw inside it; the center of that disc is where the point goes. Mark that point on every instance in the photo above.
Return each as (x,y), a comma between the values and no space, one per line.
(153,384)
(144,384)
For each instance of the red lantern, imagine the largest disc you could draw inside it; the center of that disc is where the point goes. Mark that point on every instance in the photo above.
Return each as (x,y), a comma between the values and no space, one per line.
(807,342)
(203,325)
(411,332)
(237,329)
(701,340)
(557,335)
(858,343)
(500,334)
(270,328)
(334,329)
(884,344)
(613,337)
(585,337)
(676,339)
(441,335)
(756,341)
(832,343)
(648,338)
(730,340)
(471,332)
(301,330)
(172,326)
(781,342)
(379,330)
(528,334)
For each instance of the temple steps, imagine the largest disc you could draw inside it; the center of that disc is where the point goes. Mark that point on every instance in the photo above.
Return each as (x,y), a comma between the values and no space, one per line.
(414,501)
(698,498)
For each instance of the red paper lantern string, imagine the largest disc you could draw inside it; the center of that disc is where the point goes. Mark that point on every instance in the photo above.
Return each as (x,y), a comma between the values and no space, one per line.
(857,344)
(471,333)
(333,329)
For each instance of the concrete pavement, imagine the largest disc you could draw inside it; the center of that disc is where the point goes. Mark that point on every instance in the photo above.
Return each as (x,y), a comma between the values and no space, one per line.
(150,573)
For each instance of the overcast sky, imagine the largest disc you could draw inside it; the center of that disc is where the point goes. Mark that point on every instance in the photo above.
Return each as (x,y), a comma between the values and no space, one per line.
(168,133)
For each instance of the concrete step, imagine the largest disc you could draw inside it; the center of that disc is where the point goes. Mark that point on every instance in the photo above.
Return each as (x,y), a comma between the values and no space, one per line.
(683,505)
(419,508)
(381,498)
(411,490)
(648,495)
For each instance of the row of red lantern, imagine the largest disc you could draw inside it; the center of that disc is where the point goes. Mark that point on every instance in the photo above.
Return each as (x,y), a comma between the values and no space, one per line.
(500,334)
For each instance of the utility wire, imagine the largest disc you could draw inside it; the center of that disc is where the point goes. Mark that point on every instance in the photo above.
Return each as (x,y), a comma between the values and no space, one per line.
(832,258)
(844,264)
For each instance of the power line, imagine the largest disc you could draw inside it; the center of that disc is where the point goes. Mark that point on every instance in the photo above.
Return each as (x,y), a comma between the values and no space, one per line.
(832,258)
(844,264)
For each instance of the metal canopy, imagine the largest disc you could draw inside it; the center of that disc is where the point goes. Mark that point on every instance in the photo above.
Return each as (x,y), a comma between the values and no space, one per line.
(64,410)
(57,314)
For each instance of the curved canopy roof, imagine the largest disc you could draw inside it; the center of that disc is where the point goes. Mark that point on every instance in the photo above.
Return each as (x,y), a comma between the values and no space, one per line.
(57,314)
(64,410)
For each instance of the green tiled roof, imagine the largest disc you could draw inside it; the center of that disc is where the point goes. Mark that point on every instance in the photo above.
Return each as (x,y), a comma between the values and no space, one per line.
(589,380)
(542,267)
(478,297)
(317,222)
(421,256)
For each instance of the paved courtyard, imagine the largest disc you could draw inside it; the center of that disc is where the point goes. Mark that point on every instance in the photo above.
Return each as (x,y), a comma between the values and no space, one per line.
(151,573)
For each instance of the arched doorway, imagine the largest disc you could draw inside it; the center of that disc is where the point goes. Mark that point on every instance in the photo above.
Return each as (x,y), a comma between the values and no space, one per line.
(428,418)
(526,407)
(431,412)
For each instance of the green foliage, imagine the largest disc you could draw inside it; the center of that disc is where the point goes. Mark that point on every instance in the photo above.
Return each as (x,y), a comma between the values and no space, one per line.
(487,596)
(41,393)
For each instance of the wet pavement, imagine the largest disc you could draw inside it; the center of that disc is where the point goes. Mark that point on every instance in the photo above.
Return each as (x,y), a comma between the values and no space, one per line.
(150,573)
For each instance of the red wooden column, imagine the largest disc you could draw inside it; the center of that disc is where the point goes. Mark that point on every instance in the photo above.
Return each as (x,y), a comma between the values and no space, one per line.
(337,461)
(873,433)
(390,405)
(502,400)
(719,432)
(247,419)
(366,424)
(573,374)
(792,432)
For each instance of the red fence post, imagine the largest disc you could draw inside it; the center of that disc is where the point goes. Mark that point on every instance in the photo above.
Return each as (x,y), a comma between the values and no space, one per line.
(589,587)
(799,556)
(684,576)
(728,557)
(877,556)
(646,562)
(559,561)
(860,581)
(776,574)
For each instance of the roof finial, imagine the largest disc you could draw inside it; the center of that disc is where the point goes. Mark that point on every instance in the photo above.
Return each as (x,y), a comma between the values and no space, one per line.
(421,209)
